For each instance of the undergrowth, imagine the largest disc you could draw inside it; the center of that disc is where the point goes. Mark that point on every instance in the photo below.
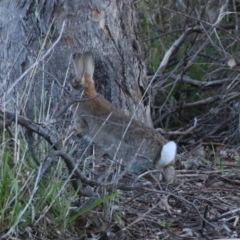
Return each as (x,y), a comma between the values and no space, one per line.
(25,203)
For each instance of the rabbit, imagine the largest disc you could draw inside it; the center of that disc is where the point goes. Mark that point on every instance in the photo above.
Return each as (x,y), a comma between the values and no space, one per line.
(121,136)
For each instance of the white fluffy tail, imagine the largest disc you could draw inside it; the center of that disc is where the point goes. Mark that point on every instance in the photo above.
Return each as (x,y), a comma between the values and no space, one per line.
(168,155)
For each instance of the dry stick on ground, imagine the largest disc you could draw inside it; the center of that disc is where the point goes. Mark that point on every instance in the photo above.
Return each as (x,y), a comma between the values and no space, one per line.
(71,169)
(226,214)
(140,218)
(178,132)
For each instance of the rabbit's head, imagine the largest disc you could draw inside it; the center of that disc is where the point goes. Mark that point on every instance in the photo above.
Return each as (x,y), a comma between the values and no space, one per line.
(84,69)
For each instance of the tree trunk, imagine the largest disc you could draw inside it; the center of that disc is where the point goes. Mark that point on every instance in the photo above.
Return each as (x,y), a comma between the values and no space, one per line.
(106,28)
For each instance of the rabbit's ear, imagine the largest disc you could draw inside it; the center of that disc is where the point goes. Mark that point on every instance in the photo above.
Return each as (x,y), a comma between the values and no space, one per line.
(89,65)
(78,63)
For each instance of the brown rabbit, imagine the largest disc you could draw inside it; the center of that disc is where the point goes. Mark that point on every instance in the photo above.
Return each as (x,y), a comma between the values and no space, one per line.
(122,137)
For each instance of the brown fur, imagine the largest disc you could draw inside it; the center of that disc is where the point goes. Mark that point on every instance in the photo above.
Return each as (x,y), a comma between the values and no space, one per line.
(89,88)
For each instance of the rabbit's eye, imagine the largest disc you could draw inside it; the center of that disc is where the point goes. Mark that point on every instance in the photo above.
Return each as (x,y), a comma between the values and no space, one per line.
(75,83)
(68,88)
(79,135)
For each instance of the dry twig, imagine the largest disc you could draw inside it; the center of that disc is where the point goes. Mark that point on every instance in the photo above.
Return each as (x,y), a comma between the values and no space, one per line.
(178,132)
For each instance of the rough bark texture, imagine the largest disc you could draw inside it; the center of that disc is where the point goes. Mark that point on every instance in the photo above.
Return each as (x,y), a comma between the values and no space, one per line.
(107,28)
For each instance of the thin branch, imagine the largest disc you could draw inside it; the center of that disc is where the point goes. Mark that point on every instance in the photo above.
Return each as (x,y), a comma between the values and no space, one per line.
(175,47)
(201,84)
(30,141)
(235,10)
(6,123)
(226,97)
(220,126)
(178,132)
(72,101)
(29,125)
(225,214)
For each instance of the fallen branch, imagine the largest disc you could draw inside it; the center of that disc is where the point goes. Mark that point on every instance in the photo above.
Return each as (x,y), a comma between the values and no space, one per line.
(175,47)
(179,132)
(226,214)
(34,127)
(200,84)
(225,98)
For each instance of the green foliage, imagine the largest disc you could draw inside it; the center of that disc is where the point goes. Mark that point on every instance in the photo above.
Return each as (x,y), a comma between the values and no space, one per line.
(17,177)
(22,203)
(238,162)
(94,204)
(167,224)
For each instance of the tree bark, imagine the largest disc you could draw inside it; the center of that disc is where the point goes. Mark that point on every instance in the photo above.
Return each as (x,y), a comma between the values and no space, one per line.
(106,28)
